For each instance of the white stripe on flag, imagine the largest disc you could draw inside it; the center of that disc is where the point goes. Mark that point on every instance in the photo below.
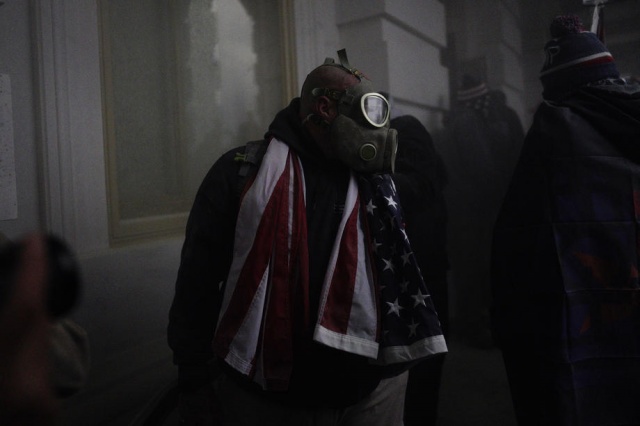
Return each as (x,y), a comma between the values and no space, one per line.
(251,211)
(362,328)
(363,321)
(245,342)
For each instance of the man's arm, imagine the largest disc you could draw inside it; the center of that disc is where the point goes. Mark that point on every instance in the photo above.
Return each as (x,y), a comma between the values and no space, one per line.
(205,260)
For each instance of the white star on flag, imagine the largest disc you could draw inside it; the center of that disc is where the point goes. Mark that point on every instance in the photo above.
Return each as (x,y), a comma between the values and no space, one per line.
(388,264)
(419,298)
(412,328)
(370,207)
(391,202)
(394,308)
(413,331)
(405,258)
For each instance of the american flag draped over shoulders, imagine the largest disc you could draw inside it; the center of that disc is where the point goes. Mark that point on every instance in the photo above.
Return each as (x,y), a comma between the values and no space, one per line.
(374,301)
(409,322)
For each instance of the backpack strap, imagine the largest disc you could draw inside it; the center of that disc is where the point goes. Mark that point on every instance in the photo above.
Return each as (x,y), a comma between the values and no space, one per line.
(249,162)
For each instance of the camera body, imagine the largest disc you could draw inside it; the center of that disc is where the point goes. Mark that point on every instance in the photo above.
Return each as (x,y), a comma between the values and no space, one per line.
(63,277)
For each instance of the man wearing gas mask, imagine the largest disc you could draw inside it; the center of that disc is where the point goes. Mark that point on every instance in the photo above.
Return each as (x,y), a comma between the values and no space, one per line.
(350,125)
(298,299)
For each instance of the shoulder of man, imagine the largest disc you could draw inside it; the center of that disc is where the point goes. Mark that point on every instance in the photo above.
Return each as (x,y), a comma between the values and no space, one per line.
(249,161)
(231,171)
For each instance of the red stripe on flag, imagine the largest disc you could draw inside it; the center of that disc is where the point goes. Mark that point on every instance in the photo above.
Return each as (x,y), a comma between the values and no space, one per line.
(251,274)
(277,352)
(300,268)
(339,299)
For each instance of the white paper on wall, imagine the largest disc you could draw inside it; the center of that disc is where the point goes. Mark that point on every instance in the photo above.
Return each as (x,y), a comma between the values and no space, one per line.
(8,195)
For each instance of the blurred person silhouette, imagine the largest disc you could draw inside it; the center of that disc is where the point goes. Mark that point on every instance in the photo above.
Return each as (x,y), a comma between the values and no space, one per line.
(43,355)
(485,136)
(505,151)
(26,391)
(303,291)
(565,253)
(420,178)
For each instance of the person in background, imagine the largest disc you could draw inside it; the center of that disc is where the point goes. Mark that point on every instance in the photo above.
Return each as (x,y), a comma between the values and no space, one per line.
(485,136)
(44,356)
(420,178)
(297,281)
(26,389)
(565,253)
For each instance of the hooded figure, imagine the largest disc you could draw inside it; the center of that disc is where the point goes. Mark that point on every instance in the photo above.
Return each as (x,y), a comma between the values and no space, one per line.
(485,137)
(566,295)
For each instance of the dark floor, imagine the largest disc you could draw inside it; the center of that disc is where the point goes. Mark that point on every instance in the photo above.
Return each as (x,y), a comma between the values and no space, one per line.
(474,392)
(474,388)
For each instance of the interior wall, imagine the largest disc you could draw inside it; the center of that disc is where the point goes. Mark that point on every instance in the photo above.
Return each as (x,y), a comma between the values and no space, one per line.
(125,292)
(399,45)
(316,35)
(20,171)
(70,132)
(487,43)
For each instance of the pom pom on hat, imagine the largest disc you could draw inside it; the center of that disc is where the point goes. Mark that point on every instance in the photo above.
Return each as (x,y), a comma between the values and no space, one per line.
(564,25)
(574,57)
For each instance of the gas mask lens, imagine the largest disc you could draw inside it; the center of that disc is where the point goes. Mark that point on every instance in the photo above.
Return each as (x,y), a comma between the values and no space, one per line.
(375,109)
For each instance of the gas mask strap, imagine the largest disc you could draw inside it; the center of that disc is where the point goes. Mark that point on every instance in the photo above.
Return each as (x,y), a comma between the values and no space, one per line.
(344,61)
(344,64)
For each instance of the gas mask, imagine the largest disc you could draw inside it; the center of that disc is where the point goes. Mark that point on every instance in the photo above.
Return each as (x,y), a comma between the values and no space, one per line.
(360,135)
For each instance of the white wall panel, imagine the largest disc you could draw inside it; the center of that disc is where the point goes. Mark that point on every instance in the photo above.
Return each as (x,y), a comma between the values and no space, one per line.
(367,50)
(72,134)
(16,64)
(427,17)
(511,33)
(316,35)
(357,10)
(510,63)
(399,46)
(415,71)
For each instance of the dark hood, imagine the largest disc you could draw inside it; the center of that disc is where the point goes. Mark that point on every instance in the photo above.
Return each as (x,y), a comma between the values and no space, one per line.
(614,111)
(287,127)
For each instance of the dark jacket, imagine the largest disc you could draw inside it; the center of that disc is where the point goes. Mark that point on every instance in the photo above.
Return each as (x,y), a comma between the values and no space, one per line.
(565,259)
(321,376)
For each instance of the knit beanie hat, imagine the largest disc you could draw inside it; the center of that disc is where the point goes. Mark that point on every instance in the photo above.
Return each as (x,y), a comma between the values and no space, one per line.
(575,57)
(471,89)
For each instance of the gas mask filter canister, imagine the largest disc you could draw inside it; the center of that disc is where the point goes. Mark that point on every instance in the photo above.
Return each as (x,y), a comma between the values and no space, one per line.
(360,135)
